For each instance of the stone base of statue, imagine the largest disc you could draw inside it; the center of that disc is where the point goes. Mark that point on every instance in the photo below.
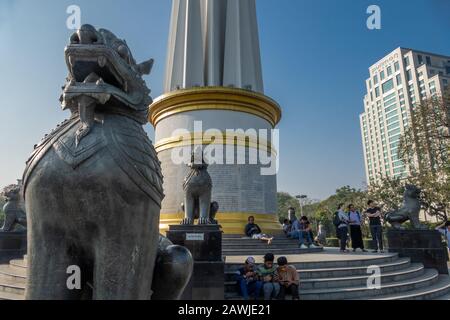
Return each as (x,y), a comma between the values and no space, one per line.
(12,245)
(422,246)
(205,245)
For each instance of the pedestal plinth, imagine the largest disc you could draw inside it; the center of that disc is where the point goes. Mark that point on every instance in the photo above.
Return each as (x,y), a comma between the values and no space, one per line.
(12,245)
(422,246)
(205,245)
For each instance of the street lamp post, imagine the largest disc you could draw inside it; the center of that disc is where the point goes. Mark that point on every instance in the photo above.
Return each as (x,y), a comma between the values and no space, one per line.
(300,198)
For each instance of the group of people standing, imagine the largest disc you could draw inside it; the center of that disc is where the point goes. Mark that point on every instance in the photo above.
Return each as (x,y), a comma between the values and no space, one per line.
(352,221)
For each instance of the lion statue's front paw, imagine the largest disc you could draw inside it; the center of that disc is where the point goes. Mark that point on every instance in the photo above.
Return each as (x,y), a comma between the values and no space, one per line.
(187,221)
(203,221)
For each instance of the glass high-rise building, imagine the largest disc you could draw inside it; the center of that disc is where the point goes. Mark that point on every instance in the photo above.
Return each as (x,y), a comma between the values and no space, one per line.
(396,83)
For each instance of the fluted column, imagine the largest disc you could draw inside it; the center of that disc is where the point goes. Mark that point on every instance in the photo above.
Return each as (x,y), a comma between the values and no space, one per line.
(214,43)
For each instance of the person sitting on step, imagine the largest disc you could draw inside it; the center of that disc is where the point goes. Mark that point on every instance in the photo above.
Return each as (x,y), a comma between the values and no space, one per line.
(288,279)
(252,230)
(295,229)
(247,279)
(267,273)
(286,226)
(304,233)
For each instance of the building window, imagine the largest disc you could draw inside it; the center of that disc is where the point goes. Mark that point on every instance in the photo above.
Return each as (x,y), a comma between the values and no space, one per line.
(388,86)
(409,75)
(399,79)
(389,71)
(428,61)
(420,58)
(382,75)
(396,66)
(406,61)
(375,79)
(377,92)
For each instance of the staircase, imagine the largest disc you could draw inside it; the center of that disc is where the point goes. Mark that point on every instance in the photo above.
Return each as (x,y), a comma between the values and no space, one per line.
(234,245)
(330,275)
(325,274)
(13,280)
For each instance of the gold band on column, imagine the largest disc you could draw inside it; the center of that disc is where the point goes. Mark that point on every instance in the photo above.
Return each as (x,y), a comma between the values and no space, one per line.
(205,138)
(214,98)
(231,222)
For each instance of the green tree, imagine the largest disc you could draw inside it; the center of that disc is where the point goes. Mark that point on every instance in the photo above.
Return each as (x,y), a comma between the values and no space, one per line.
(285,201)
(424,147)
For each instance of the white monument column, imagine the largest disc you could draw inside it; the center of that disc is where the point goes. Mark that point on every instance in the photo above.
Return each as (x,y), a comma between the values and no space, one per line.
(214,82)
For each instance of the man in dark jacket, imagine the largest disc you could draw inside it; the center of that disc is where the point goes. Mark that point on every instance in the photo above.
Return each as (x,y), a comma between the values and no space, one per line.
(252,230)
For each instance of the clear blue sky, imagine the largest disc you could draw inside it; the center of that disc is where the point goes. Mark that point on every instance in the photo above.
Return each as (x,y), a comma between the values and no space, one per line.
(315,54)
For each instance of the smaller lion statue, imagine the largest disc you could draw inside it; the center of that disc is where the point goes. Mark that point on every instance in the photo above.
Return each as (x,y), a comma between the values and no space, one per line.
(197,188)
(15,216)
(409,211)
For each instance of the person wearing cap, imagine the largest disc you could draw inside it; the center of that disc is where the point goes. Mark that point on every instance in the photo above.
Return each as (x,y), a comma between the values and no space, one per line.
(288,279)
(267,273)
(247,279)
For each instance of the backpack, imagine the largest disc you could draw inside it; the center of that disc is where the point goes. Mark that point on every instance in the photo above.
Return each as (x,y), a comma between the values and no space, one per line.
(336,220)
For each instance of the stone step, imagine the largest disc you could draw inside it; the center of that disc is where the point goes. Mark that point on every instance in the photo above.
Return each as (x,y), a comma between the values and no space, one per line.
(313,261)
(13,274)
(262,251)
(18,265)
(399,264)
(11,296)
(294,247)
(260,245)
(253,241)
(444,297)
(429,279)
(263,247)
(242,236)
(12,286)
(414,271)
(440,291)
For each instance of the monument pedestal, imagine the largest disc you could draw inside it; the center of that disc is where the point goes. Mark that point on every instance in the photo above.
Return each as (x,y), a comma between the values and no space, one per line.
(205,245)
(422,246)
(12,245)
